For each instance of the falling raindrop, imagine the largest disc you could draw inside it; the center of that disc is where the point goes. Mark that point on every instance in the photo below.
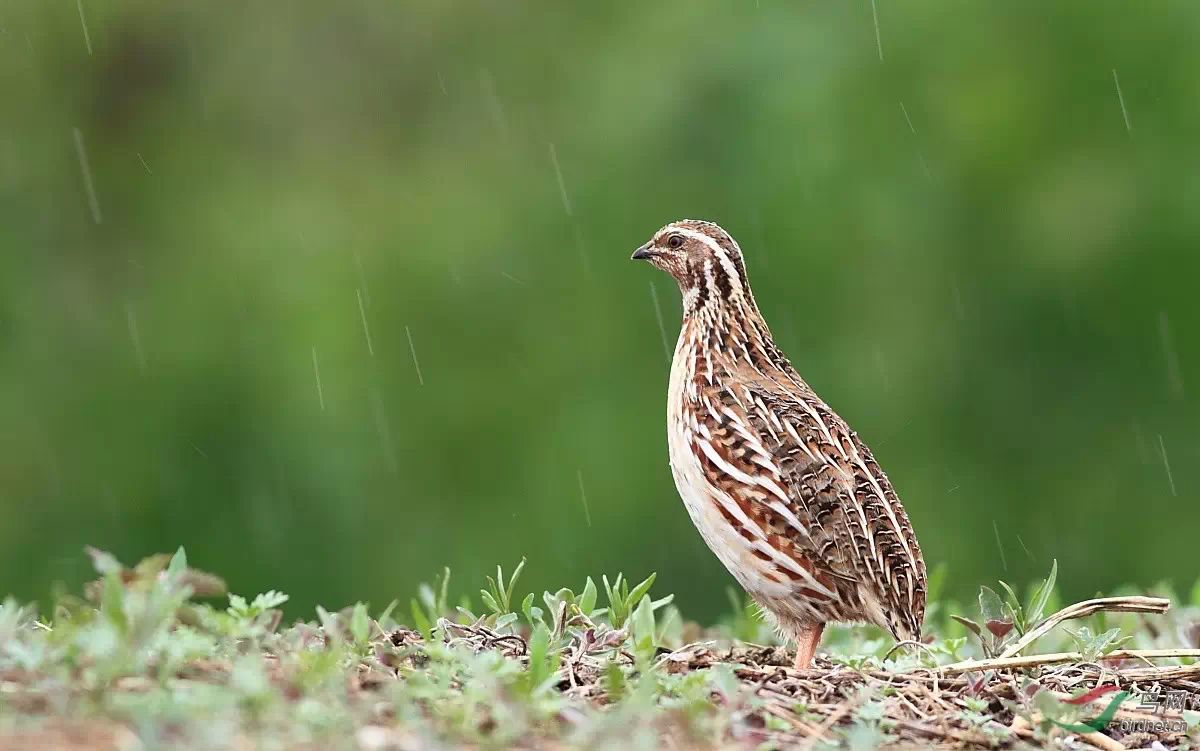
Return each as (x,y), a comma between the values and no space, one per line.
(881,363)
(1121,99)
(413,348)
(1174,373)
(85,168)
(587,514)
(495,106)
(362,279)
(562,187)
(662,327)
(1026,548)
(362,312)
(87,38)
(317,373)
(907,119)
(1166,464)
(384,430)
(878,38)
(999,546)
(146,166)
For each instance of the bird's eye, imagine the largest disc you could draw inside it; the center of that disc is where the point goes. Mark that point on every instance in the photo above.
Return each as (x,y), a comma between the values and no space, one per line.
(675,241)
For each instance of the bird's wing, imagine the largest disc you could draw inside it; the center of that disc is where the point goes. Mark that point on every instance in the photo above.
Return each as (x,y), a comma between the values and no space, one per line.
(819,487)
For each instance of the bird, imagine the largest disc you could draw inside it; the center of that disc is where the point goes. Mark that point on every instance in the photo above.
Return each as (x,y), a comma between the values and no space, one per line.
(783,491)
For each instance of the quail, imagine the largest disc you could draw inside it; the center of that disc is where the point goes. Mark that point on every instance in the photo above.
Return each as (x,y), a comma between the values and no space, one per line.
(783,492)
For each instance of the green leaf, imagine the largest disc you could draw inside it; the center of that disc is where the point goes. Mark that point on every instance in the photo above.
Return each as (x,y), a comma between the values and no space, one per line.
(490,601)
(1010,596)
(1050,706)
(237,605)
(553,601)
(420,621)
(662,602)
(491,595)
(1091,645)
(991,607)
(443,601)
(329,624)
(640,591)
(610,590)
(387,613)
(360,624)
(267,600)
(587,600)
(1105,642)
(104,562)
(112,601)
(670,626)
(1041,596)
(617,613)
(974,627)
(512,581)
(428,598)
(1012,606)
(614,682)
(178,565)
(542,661)
(643,623)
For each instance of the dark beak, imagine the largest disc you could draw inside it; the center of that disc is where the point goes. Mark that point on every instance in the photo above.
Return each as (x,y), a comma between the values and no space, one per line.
(642,254)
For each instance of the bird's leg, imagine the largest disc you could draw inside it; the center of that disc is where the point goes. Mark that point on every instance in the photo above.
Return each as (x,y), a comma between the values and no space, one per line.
(807,639)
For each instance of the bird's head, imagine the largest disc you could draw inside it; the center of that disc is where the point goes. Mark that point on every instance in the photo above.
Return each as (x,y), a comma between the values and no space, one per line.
(702,258)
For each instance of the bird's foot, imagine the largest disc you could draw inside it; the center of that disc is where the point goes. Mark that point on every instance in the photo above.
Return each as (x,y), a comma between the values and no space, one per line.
(807,640)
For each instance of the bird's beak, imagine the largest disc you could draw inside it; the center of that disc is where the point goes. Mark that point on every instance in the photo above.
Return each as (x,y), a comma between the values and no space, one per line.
(642,254)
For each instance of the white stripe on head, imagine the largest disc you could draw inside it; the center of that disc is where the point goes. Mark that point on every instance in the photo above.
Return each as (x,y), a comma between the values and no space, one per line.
(710,242)
(722,255)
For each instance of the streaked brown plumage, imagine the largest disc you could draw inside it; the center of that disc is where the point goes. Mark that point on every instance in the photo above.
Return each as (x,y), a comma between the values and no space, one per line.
(782,490)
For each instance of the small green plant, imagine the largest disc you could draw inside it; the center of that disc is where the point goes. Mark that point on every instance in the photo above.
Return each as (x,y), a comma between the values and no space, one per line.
(1002,620)
(498,597)
(1092,646)
(622,600)
(543,663)
(430,604)
(870,728)
(556,670)
(239,608)
(562,606)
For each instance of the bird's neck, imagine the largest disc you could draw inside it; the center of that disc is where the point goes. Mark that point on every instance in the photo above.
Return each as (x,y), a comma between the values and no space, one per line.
(731,325)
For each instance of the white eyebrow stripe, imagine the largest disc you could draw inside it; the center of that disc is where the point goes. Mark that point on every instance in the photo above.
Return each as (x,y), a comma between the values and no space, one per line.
(697,236)
(722,255)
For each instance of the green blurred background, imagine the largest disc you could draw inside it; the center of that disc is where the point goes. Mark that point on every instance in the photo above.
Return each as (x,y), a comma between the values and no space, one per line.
(961,240)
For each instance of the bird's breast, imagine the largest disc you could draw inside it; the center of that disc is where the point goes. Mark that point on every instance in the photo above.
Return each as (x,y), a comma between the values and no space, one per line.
(700,497)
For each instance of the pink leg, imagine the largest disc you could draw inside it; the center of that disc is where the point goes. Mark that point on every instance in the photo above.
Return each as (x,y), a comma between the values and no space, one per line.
(807,640)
